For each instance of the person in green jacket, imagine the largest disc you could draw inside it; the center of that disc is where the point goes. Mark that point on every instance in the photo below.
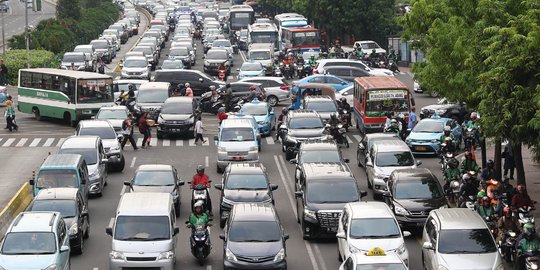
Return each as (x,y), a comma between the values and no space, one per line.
(528,243)
(469,163)
(485,210)
(198,217)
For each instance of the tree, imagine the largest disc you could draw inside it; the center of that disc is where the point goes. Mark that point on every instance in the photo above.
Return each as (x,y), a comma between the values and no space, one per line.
(68,9)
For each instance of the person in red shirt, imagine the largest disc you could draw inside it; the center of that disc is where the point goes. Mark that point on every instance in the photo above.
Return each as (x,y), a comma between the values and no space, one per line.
(200,178)
(222,115)
(521,199)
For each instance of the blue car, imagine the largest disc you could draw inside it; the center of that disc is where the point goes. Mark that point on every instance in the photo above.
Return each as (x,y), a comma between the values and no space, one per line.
(332,80)
(263,113)
(251,69)
(425,136)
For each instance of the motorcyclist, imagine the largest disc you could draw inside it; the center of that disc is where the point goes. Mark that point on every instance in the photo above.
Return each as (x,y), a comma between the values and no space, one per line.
(472,122)
(447,146)
(392,55)
(403,126)
(468,187)
(200,178)
(227,96)
(528,243)
(358,51)
(312,61)
(507,188)
(281,119)
(506,223)
(393,128)
(521,199)
(373,57)
(198,217)
(334,121)
(252,94)
(469,163)
(447,133)
(485,210)
(489,171)
(452,171)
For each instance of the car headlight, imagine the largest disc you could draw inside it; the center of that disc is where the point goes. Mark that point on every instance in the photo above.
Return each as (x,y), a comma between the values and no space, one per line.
(115,148)
(310,214)
(51,267)
(167,255)
(253,148)
(353,249)
(501,267)
(221,149)
(401,249)
(441,268)
(400,210)
(74,229)
(230,256)
(280,256)
(116,255)
(434,141)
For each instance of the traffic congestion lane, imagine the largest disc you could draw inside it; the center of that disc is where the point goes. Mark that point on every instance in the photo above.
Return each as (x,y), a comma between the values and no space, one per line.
(14,19)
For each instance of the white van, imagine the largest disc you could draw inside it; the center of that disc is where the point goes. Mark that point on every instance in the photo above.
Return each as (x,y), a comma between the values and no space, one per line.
(144,232)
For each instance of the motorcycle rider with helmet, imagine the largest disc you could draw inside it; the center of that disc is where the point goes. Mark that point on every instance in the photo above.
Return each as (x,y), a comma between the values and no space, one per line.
(451,172)
(200,178)
(447,133)
(334,121)
(281,119)
(344,105)
(198,217)
(521,199)
(312,61)
(468,187)
(507,222)
(489,171)
(507,188)
(393,128)
(485,210)
(469,163)
(528,242)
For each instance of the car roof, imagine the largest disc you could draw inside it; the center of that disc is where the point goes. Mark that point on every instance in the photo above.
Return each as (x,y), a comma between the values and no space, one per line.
(371,136)
(135,57)
(391,146)
(144,203)
(412,174)
(113,108)
(155,85)
(96,123)
(35,222)
(303,113)
(318,98)
(369,209)
(61,161)
(363,259)
(246,168)
(458,218)
(238,122)
(326,170)
(435,119)
(179,100)
(73,53)
(122,81)
(312,145)
(254,212)
(276,79)
(155,167)
(77,142)
(255,102)
(57,193)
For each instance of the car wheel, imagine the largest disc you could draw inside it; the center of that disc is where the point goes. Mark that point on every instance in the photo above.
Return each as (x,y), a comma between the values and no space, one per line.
(87,233)
(80,248)
(358,160)
(222,223)
(121,165)
(272,100)
(37,114)
(218,169)
(177,208)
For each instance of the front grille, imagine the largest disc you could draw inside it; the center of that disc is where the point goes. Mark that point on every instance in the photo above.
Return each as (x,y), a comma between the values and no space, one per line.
(419,213)
(328,219)
(255,259)
(141,259)
(234,154)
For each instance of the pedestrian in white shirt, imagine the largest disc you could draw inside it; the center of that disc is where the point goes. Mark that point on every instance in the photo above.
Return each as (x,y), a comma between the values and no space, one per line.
(199,128)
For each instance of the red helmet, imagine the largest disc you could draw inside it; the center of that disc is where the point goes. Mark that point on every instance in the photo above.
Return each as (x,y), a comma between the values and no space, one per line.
(253,87)
(506,210)
(486,199)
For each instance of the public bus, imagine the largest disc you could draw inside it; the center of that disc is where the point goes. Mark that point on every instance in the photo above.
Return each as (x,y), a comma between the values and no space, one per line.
(240,17)
(290,20)
(300,39)
(263,33)
(374,97)
(63,94)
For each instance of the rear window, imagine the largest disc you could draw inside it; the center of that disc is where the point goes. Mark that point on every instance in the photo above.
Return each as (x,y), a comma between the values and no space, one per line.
(468,241)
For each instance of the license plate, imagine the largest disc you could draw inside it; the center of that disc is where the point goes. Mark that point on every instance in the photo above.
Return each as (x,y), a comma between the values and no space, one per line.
(238,158)
(333,229)
(421,148)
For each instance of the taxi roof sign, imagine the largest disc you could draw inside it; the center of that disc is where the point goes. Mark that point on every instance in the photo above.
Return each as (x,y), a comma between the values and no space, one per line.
(376,251)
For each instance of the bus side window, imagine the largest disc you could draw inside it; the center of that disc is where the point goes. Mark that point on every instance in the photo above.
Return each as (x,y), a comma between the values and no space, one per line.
(36,81)
(26,79)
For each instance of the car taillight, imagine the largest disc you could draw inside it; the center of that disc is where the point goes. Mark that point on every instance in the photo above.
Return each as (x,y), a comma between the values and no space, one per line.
(284,88)
(315,71)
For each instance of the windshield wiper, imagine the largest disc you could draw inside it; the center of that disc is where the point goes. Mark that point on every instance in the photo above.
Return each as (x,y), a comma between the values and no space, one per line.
(463,252)
(156,239)
(259,241)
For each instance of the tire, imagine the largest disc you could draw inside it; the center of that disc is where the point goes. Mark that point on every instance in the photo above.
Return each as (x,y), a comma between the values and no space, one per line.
(87,233)
(80,249)
(289,155)
(177,208)
(433,94)
(37,114)
(358,161)
(222,223)
(218,169)
(272,100)
(120,166)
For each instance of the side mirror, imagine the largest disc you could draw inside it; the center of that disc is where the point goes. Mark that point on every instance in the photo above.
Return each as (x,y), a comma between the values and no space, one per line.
(293,161)
(286,237)
(176,230)
(406,233)
(299,194)
(418,162)
(427,245)
(180,183)
(127,183)
(369,163)
(219,186)
(346,160)
(222,236)
(215,137)
(273,186)
(84,213)
(341,235)
(104,161)
(31,182)
(64,249)
(363,193)
(108,231)
(201,80)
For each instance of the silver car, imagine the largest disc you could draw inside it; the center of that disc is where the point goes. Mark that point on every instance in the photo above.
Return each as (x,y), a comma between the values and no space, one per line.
(75,61)
(276,89)
(136,67)
(109,139)
(237,141)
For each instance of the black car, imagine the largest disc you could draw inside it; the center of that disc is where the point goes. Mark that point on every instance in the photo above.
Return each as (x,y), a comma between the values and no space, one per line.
(367,141)
(413,193)
(316,152)
(300,126)
(254,238)
(321,195)
(215,58)
(243,183)
(199,82)
(157,178)
(177,117)
(445,108)
(347,73)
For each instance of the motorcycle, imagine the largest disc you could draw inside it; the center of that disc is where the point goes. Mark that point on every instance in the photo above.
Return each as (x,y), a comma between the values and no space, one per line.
(392,66)
(525,215)
(507,246)
(345,118)
(447,158)
(467,202)
(287,73)
(338,133)
(453,190)
(199,193)
(531,260)
(200,241)
(206,105)
(470,138)
(277,72)
(299,68)
(491,222)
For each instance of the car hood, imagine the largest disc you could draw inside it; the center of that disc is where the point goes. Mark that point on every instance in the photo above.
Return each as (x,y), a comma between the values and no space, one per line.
(264,62)
(421,204)
(102,50)
(68,64)
(163,189)
(381,72)
(237,146)
(424,136)
(216,61)
(435,107)
(327,206)
(109,143)
(27,262)
(156,105)
(246,195)
(388,170)
(149,247)
(253,249)
(92,168)
(387,244)
(135,69)
(116,122)
(250,73)
(464,261)
(306,133)
(176,117)
(326,115)
(179,57)
(378,50)
(260,118)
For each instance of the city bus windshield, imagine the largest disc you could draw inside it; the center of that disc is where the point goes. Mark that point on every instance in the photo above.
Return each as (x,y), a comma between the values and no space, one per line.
(305,38)
(381,101)
(264,37)
(94,91)
(240,19)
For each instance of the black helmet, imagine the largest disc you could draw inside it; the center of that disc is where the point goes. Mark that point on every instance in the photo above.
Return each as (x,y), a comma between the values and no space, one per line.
(285,110)
(333,115)
(200,168)
(131,87)
(343,99)
(490,163)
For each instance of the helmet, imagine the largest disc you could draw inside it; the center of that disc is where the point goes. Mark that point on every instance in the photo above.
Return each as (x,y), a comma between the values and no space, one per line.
(343,99)
(198,204)
(333,115)
(312,56)
(393,121)
(447,139)
(528,227)
(221,109)
(212,88)
(490,163)
(474,116)
(228,85)
(481,194)
(290,54)
(187,84)
(131,87)
(285,110)
(373,51)
(447,129)
(200,168)
(521,188)
(401,116)
(466,177)
(486,199)
(253,87)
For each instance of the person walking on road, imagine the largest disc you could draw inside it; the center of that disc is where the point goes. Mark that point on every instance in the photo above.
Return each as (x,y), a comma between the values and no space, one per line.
(199,128)
(412,119)
(227,96)
(127,127)
(3,73)
(509,164)
(144,129)
(10,115)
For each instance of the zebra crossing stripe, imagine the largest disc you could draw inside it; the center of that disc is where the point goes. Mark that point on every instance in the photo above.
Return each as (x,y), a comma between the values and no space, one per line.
(166,142)
(192,142)
(269,140)
(8,142)
(35,142)
(153,141)
(357,137)
(179,142)
(60,142)
(21,142)
(48,142)
(349,139)
(139,141)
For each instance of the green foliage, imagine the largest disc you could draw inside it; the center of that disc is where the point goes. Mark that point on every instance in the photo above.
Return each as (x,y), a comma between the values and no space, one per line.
(68,9)
(16,59)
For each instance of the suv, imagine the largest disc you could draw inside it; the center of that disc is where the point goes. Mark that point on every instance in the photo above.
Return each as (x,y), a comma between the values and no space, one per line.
(115,115)
(458,238)
(242,183)
(75,61)
(316,152)
(198,81)
(215,58)
(151,96)
(325,63)
(323,105)
(37,240)
(276,88)
(177,116)
(90,55)
(445,108)
(412,194)
(367,141)
(321,195)
(384,157)
(249,223)
(347,73)
(300,126)
(109,138)
(103,50)
(69,202)
(180,53)
(136,67)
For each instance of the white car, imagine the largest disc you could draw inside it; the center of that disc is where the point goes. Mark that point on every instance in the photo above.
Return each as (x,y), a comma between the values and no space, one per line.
(368,46)
(364,225)
(276,89)
(374,259)
(348,93)
(322,63)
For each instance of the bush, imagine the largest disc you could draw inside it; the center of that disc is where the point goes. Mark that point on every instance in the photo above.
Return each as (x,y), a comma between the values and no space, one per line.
(16,59)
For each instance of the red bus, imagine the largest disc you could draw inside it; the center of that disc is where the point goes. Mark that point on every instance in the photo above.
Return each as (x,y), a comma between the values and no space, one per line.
(300,39)
(374,97)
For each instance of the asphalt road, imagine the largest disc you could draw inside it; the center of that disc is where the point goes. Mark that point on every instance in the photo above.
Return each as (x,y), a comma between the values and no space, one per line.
(14,20)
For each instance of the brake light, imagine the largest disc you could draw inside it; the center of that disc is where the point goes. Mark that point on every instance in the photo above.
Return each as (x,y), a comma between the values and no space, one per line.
(315,71)
(284,88)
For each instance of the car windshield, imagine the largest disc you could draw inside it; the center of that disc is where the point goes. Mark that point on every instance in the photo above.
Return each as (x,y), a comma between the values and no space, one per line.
(154,178)
(381,266)
(251,67)
(259,55)
(145,50)
(467,241)
(254,110)
(429,127)
(125,86)
(221,43)
(305,123)
(152,96)
(179,51)
(394,159)
(100,44)
(68,208)
(136,63)
(237,134)
(73,58)
(332,192)
(29,243)
(89,154)
(246,181)
(111,114)
(217,54)
(56,178)
(425,188)
(374,228)
(102,132)
(172,65)
(177,108)
(142,228)
(254,231)
(379,102)
(320,156)
(322,106)
(369,45)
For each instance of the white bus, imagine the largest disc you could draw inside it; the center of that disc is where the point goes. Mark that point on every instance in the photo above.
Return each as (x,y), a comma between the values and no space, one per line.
(240,17)
(263,33)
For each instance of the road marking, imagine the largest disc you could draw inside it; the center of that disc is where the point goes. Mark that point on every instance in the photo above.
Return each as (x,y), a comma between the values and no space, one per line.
(8,142)
(133,162)
(139,141)
(206,162)
(166,142)
(124,188)
(35,142)
(21,142)
(293,205)
(95,268)
(60,142)
(208,267)
(179,142)
(319,255)
(357,137)
(243,56)
(153,141)
(48,142)
(269,140)
(111,222)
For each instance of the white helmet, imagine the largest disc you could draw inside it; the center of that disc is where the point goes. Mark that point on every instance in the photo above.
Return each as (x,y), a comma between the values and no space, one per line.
(187,84)
(198,204)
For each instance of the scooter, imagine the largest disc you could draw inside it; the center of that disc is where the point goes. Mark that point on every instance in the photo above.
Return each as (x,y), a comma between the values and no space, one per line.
(287,71)
(277,72)
(200,193)
(345,118)
(470,138)
(299,70)
(206,105)
(507,246)
(338,133)
(525,216)
(531,260)
(200,241)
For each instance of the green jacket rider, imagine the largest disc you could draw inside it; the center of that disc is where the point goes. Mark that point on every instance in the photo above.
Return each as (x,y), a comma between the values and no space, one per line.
(469,164)
(485,209)
(198,217)
(529,242)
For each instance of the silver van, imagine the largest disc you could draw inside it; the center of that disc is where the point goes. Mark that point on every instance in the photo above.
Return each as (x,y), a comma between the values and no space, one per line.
(237,141)
(144,232)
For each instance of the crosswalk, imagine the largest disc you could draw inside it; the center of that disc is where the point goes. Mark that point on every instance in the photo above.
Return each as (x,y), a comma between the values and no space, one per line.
(18,142)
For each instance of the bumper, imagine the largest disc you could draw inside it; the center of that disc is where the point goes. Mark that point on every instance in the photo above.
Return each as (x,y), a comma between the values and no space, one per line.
(136,76)
(228,265)
(411,221)
(379,186)
(175,129)
(74,241)
(148,265)
(222,164)
(114,157)
(285,96)
(423,148)
(95,186)
(313,229)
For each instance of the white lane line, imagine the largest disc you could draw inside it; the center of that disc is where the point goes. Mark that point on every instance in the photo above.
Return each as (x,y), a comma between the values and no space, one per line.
(206,162)
(8,142)
(124,188)
(133,162)
(243,56)
(111,222)
(48,142)
(269,140)
(357,137)
(21,142)
(139,141)
(95,268)
(153,141)
(35,142)
(319,255)
(293,206)
(179,142)
(166,142)
(208,267)
(60,142)
(349,139)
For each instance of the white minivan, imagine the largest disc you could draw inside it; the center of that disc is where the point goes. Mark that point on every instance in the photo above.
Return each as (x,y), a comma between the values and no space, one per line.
(237,141)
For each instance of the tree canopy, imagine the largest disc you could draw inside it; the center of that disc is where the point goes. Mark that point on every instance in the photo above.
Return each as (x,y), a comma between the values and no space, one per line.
(68,9)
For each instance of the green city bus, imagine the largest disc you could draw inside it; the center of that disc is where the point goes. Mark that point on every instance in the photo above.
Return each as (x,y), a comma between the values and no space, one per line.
(63,94)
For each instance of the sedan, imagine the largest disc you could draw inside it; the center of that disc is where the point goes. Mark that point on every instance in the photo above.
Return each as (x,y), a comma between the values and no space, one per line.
(277,89)
(425,137)
(169,65)
(263,113)
(332,80)
(249,69)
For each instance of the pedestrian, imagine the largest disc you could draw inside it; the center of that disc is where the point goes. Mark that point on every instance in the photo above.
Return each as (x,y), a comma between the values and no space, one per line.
(227,96)
(222,115)
(412,118)
(10,115)
(189,91)
(509,163)
(127,128)
(199,128)
(144,129)
(3,73)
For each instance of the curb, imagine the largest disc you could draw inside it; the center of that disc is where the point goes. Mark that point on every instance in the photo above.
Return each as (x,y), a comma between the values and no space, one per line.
(17,204)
